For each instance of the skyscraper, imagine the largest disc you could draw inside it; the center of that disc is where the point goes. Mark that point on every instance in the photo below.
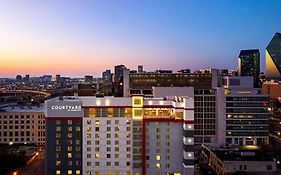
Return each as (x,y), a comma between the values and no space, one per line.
(118,72)
(273,58)
(249,64)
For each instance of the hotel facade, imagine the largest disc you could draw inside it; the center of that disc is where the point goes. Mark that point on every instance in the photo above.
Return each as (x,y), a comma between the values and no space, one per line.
(120,135)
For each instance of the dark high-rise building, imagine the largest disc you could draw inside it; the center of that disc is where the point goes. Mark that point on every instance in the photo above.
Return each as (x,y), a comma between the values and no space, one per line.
(27,78)
(118,72)
(140,68)
(249,64)
(107,77)
(273,58)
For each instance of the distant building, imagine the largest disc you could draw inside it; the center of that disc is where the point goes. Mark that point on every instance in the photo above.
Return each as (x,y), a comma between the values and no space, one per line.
(118,72)
(186,71)
(107,77)
(27,78)
(228,161)
(164,71)
(272,88)
(22,125)
(18,78)
(246,112)
(273,58)
(88,79)
(127,135)
(140,69)
(249,64)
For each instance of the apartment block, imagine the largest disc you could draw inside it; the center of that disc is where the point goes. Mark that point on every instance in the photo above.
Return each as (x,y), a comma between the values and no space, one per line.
(22,125)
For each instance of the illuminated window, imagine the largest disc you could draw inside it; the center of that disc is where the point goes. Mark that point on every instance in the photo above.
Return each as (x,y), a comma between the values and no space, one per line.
(137,101)
(88,136)
(158,165)
(179,115)
(69,155)
(97,155)
(128,112)
(58,163)
(69,172)
(77,171)
(58,172)
(137,113)
(92,112)
(69,148)
(158,157)
(89,128)
(110,112)
(97,122)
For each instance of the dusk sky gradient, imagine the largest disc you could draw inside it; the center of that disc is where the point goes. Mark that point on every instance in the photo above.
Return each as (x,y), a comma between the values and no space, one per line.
(75,38)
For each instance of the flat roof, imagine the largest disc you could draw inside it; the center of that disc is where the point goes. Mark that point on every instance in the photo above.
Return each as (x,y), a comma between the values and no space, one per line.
(17,108)
(241,155)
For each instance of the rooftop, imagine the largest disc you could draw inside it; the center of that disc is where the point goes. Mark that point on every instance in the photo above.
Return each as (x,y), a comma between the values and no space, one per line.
(242,155)
(17,108)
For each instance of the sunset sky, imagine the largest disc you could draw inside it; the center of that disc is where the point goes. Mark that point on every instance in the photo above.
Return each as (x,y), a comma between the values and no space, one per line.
(74,38)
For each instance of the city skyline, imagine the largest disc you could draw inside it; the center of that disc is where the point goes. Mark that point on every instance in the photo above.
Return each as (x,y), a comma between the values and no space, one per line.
(78,38)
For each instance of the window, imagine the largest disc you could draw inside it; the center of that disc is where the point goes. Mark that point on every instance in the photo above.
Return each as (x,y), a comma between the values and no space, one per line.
(69,172)
(69,155)
(269,167)
(57,172)
(158,157)
(158,165)
(58,163)
(108,163)
(97,155)
(77,171)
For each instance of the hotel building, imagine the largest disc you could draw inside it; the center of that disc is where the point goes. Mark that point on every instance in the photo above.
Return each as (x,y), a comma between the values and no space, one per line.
(22,125)
(120,135)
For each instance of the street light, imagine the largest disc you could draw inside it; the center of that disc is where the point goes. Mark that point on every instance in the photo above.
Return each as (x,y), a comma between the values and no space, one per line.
(15,173)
